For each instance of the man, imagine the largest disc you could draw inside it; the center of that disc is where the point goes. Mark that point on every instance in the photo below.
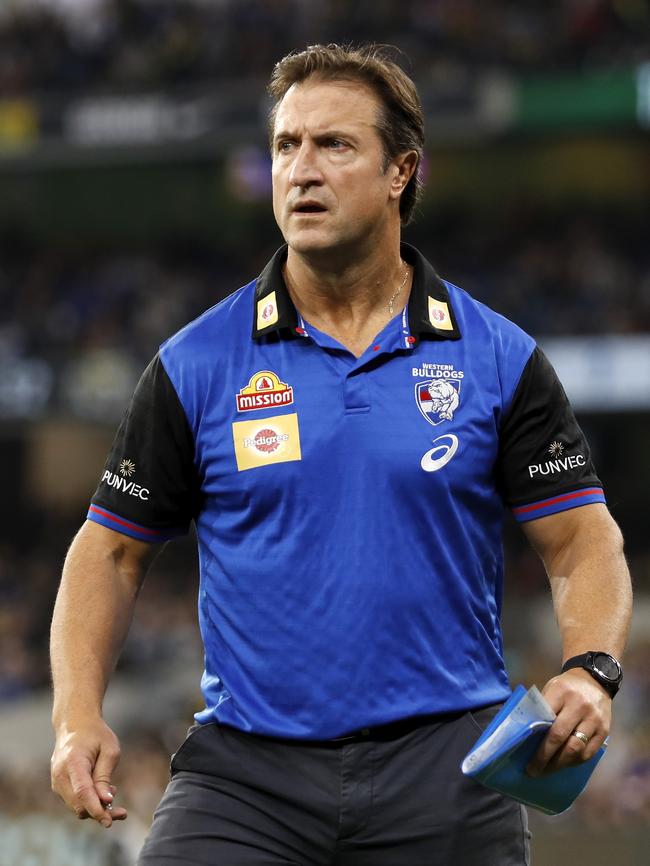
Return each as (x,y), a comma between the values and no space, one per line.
(348,511)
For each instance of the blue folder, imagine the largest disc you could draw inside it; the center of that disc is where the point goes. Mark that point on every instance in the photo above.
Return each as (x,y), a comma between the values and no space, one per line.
(504,768)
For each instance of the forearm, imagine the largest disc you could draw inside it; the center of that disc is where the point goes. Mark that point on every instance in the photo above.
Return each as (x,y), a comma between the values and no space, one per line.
(591,589)
(91,619)
(582,551)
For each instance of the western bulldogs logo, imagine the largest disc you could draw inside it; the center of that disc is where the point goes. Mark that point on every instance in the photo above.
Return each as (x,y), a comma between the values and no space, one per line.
(438,399)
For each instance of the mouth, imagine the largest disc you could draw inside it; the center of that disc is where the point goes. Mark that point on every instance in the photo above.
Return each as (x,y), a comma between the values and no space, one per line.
(308,209)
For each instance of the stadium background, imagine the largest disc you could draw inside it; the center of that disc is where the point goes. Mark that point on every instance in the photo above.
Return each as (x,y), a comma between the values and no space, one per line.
(135,192)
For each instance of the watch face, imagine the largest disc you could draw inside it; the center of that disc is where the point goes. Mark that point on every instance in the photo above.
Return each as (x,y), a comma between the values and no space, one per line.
(607,666)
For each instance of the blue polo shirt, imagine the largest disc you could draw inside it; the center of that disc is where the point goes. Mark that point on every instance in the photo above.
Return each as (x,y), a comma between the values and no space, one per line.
(348,510)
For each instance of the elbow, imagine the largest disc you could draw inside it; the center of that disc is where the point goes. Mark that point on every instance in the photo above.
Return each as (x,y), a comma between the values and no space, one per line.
(125,558)
(129,569)
(613,547)
(611,536)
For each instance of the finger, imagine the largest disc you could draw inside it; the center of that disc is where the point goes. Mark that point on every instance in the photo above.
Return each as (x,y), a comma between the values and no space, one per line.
(595,743)
(569,755)
(572,752)
(550,746)
(106,792)
(67,779)
(107,798)
(116,813)
(575,751)
(85,801)
(104,767)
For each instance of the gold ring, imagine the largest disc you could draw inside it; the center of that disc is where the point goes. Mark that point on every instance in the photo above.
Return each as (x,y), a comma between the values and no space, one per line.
(585,739)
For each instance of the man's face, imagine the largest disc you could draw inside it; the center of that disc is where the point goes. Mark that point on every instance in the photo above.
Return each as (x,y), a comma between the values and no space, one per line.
(329,187)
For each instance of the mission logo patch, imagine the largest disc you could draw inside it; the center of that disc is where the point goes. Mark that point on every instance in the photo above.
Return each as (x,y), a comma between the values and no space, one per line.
(264,390)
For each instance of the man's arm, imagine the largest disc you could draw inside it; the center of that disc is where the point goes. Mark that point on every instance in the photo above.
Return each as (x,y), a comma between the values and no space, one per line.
(582,550)
(102,576)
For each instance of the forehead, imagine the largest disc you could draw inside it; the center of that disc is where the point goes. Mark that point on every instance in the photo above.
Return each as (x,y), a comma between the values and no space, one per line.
(315,106)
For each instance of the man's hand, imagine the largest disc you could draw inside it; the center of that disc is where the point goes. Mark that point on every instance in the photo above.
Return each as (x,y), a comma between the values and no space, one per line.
(82,765)
(580,704)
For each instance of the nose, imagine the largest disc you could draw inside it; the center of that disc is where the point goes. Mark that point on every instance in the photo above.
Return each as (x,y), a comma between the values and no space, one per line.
(305,170)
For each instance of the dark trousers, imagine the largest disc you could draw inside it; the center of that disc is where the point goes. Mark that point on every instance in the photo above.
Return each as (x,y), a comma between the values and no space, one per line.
(391,796)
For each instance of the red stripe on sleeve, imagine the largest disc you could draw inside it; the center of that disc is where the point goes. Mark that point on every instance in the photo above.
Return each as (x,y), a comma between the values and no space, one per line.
(565,498)
(128,524)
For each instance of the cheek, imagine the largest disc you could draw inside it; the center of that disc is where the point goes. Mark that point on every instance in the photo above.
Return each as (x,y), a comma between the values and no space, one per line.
(278,195)
(366,196)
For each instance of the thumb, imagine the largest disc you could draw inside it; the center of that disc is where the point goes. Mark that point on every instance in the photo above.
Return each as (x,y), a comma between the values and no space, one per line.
(103,772)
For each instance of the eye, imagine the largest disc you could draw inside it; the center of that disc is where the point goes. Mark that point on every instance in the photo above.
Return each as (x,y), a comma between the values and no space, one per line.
(284,146)
(335,143)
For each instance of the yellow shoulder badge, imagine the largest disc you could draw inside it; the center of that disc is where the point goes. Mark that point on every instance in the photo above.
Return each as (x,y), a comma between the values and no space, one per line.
(439,315)
(267,311)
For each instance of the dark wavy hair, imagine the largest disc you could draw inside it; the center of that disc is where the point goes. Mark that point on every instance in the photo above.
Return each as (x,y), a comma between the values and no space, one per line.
(401,121)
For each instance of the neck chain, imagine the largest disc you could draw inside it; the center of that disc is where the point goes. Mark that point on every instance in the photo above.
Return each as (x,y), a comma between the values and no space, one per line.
(398,289)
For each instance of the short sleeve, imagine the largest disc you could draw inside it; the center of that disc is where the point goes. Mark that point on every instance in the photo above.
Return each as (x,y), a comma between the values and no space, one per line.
(150,486)
(544,463)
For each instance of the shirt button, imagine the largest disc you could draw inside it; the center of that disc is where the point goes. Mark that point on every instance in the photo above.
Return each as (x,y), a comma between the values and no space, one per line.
(300,331)
(376,348)
(410,340)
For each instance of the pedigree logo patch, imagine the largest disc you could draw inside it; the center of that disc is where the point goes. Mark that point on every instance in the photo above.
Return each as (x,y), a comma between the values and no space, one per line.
(264,389)
(265,441)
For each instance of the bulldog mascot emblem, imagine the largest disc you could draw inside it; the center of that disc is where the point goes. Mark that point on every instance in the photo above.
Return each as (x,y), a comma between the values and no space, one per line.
(438,399)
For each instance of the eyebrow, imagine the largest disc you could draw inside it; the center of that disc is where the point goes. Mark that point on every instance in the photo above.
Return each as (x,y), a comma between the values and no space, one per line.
(319,136)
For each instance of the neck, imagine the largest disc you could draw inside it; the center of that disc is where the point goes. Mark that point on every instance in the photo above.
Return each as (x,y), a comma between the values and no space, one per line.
(347,292)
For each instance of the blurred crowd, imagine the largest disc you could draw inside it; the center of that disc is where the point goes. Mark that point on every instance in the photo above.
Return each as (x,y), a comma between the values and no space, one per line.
(77,325)
(164,630)
(68,45)
(553,273)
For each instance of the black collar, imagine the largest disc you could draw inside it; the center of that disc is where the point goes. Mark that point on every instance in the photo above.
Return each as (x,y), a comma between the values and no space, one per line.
(430,313)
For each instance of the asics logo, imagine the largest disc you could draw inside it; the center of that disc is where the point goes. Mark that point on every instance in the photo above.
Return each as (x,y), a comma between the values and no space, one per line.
(441,454)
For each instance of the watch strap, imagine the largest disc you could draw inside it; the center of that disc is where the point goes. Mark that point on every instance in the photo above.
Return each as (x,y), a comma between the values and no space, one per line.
(576,661)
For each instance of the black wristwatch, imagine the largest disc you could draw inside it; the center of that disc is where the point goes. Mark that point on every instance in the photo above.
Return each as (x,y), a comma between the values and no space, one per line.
(604,668)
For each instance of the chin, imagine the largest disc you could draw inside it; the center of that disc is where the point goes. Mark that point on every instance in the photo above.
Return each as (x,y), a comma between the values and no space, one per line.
(308,242)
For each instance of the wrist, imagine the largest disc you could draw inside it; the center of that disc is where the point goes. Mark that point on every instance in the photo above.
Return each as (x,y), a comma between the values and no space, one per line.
(67,719)
(601,666)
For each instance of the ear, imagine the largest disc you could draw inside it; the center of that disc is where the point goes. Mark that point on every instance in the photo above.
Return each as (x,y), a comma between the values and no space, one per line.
(403,167)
